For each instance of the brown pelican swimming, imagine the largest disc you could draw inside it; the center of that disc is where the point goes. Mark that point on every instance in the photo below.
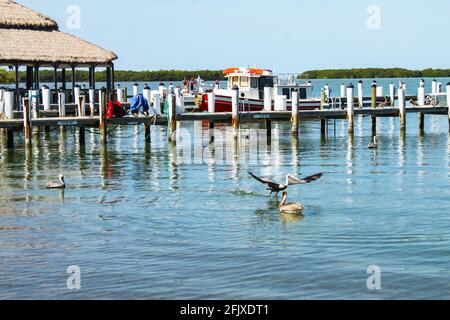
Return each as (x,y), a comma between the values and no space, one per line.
(289,207)
(57,185)
(275,187)
(374,144)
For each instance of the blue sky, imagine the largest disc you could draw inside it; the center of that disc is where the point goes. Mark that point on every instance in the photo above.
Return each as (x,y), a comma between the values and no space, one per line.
(288,35)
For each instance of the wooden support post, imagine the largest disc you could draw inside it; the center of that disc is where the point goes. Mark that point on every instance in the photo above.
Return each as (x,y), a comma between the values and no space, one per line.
(392,93)
(269,131)
(92,102)
(73,83)
(55,77)
(374,105)
(9,138)
(64,80)
(448,104)
(402,108)
(211,132)
(17,94)
(36,77)
(81,106)
(27,121)
(102,114)
(172,118)
(421,121)
(29,78)
(294,118)
(350,108)
(235,110)
(360,94)
(148,133)
(81,136)
(323,127)
(374,95)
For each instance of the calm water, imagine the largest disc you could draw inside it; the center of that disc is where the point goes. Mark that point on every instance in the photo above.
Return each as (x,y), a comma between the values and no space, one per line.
(141,225)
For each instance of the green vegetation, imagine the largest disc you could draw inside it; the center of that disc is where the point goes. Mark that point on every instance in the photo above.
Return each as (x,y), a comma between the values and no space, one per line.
(6,77)
(121,76)
(373,73)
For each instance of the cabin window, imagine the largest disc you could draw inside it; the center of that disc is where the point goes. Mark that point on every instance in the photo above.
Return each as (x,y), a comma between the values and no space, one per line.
(235,81)
(286,92)
(254,83)
(244,82)
(303,94)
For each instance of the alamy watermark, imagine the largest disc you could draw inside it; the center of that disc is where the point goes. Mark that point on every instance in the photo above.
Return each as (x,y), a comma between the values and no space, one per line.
(374,280)
(74,280)
(74,18)
(374,19)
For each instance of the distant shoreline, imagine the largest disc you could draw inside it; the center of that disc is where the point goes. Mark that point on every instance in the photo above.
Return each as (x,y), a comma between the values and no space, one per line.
(47,76)
(375,73)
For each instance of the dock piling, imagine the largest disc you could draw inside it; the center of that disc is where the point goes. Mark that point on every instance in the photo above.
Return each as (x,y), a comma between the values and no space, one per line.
(294,119)
(360,94)
(9,104)
(392,93)
(81,103)
(350,108)
(268,98)
(27,121)
(92,102)
(448,103)
(235,109)
(102,114)
(172,118)
(211,102)
(402,108)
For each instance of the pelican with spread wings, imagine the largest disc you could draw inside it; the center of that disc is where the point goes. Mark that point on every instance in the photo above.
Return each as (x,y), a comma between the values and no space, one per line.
(276,188)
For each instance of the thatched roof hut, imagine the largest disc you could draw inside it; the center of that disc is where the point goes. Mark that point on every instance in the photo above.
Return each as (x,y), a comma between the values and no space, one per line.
(29,38)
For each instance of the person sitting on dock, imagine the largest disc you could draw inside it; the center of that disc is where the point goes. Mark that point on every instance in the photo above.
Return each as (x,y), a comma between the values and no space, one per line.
(115,109)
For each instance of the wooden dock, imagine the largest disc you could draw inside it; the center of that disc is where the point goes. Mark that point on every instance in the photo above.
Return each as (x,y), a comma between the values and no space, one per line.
(22,122)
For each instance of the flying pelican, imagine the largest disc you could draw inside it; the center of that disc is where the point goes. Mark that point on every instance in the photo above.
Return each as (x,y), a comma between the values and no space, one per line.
(289,207)
(275,187)
(57,185)
(374,144)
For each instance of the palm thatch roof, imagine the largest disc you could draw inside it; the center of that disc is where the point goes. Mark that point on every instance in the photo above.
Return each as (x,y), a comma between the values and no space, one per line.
(14,15)
(28,37)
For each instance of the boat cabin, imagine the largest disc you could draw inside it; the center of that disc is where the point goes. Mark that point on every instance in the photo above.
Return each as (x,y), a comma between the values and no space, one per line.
(251,83)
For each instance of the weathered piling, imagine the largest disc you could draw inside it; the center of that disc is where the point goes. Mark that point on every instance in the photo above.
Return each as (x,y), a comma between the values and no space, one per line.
(211,109)
(102,116)
(119,93)
(76,93)
(360,94)
(135,90)
(27,121)
(392,93)
(81,105)
(402,108)
(92,102)
(323,127)
(172,118)
(9,136)
(433,86)
(235,108)
(62,104)
(294,119)
(148,133)
(343,91)
(421,93)
(280,103)
(374,95)
(448,103)
(421,121)
(46,98)
(374,105)
(9,104)
(350,108)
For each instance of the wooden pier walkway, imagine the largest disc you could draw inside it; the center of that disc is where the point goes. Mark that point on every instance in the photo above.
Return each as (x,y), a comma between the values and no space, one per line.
(22,122)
